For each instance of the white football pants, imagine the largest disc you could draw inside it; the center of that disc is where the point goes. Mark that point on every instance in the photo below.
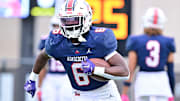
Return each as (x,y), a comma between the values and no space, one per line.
(108,92)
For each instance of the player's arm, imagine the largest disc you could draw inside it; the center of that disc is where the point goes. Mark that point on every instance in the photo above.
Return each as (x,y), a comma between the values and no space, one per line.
(41,76)
(132,57)
(40,80)
(118,65)
(41,60)
(118,69)
(40,63)
(131,47)
(170,63)
(108,43)
(170,71)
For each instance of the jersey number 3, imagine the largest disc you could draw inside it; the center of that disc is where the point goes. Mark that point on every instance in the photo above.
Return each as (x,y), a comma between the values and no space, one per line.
(154,48)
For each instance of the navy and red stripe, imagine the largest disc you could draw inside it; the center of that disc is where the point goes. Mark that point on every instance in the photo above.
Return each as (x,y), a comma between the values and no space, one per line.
(155,16)
(70,5)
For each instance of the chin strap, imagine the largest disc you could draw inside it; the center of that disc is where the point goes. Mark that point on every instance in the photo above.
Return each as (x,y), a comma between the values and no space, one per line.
(82,39)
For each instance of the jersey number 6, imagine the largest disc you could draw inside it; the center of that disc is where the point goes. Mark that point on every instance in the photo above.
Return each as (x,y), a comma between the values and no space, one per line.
(81,78)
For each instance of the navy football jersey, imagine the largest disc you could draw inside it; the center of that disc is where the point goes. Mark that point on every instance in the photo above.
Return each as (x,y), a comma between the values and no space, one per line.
(100,42)
(53,65)
(152,52)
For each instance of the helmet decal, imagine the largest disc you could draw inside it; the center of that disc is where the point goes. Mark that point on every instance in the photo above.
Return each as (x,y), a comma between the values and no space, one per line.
(155,16)
(70,5)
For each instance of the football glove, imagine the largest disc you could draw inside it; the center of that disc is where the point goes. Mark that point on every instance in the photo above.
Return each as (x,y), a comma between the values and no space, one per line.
(88,67)
(30,87)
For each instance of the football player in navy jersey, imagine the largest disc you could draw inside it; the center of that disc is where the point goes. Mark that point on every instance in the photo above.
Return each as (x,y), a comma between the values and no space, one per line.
(74,44)
(53,81)
(152,51)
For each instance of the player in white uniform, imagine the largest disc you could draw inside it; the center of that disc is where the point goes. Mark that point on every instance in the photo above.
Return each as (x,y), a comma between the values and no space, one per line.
(153,52)
(74,44)
(53,81)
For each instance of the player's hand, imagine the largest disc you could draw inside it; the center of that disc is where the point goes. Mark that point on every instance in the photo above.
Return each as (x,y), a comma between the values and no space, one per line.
(124,97)
(30,87)
(88,67)
(39,94)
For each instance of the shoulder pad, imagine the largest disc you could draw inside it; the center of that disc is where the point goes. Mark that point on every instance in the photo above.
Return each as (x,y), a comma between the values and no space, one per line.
(43,39)
(41,45)
(94,29)
(171,45)
(106,40)
(100,30)
(131,43)
(110,39)
(55,37)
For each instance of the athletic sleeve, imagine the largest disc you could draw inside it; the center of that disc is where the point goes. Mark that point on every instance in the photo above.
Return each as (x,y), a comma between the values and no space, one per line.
(109,42)
(131,44)
(51,43)
(171,76)
(41,45)
(171,45)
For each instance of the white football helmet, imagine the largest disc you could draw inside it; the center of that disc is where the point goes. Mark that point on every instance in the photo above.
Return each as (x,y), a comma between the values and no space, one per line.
(75,18)
(154,18)
(54,23)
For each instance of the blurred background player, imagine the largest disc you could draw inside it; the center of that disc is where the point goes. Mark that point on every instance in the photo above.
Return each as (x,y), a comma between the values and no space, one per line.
(152,52)
(75,43)
(54,85)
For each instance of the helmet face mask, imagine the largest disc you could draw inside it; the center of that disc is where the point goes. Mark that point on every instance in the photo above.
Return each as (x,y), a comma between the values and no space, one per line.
(75,20)
(71,26)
